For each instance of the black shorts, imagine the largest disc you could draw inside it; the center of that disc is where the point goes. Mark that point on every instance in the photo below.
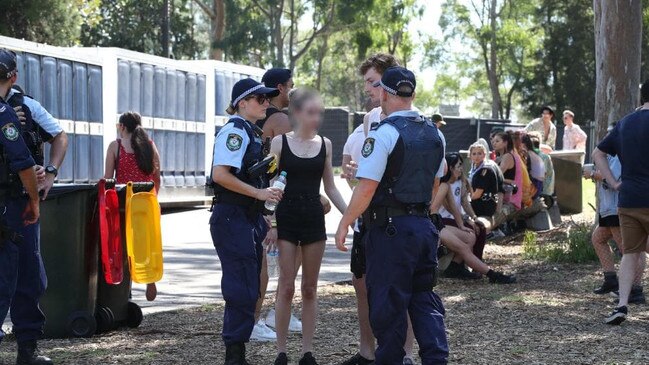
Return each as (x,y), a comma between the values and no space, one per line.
(301,221)
(358,265)
(610,221)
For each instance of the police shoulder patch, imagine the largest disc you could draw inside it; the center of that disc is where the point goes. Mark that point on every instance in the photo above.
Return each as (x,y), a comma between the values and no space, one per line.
(10,132)
(234,142)
(368,147)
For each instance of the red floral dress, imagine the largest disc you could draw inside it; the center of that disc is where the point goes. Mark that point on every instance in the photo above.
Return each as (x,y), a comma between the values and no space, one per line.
(127,169)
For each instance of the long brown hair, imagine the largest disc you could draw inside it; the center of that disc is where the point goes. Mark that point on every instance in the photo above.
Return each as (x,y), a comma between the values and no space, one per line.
(140,141)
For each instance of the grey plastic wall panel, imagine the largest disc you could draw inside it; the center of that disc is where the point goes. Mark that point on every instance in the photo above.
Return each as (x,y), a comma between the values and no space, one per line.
(123,86)
(95,94)
(96,158)
(80,91)
(200,99)
(135,102)
(82,158)
(159,92)
(181,96)
(147,90)
(170,94)
(169,159)
(190,154)
(221,94)
(50,86)
(229,83)
(200,153)
(191,88)
(66,169)
(32,84)
(179,153)
(20,63)
(65,90)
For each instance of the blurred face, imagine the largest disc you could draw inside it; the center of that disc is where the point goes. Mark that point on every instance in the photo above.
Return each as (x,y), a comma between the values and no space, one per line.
(546,115)
(254,107)
(370,77)
(457,170)
(567,119)
(284,89)
(498,143)
(477,156)
(309,116)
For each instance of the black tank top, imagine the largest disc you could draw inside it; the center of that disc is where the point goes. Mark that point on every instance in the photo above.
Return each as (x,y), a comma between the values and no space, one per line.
(270,111)
(303,175)
(511,173)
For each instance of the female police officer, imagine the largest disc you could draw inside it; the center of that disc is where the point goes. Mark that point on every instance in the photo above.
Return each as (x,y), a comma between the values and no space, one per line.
(402,157)
(237,225)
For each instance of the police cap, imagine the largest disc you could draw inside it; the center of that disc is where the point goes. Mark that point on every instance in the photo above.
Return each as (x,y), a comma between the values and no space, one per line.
(246,87)
(398,81)
(276,76)
(7,64)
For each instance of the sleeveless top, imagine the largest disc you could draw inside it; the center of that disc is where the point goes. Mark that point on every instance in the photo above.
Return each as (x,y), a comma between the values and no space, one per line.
(127,169)
(270,111)
(303,175)
(456,191)
(515,174)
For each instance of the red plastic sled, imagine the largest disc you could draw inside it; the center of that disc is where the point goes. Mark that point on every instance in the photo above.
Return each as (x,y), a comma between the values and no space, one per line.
(110,231)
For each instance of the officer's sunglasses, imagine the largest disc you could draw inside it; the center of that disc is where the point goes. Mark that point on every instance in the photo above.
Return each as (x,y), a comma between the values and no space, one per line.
(261,98)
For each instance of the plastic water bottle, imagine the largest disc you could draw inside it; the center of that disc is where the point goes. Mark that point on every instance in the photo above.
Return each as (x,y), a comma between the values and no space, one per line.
(272,262)
(280,183)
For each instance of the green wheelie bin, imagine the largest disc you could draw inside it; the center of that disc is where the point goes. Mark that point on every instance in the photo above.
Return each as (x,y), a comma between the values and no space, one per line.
(69,246)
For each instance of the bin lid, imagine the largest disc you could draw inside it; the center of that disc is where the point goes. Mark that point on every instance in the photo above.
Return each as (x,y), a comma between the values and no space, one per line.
(62,189)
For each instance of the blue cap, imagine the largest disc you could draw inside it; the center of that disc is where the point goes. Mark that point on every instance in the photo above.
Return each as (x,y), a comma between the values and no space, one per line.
(7,64)
(276,76)
(398,77)
(246,87)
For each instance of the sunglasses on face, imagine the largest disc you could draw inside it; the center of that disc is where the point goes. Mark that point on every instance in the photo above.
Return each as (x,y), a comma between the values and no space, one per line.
(261,99)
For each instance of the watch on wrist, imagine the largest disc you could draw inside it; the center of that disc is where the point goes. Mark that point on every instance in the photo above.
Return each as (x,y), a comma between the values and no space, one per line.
(51,169)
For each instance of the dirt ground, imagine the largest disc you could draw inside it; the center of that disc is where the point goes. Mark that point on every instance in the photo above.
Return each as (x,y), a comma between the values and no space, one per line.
(549,317)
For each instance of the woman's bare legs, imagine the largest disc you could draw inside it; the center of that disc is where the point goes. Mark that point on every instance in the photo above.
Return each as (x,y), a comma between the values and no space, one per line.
(285,291)
(311,261)
(453,243)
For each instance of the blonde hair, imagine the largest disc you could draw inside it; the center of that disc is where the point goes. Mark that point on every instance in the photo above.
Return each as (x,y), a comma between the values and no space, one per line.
(479,146)
(298,97)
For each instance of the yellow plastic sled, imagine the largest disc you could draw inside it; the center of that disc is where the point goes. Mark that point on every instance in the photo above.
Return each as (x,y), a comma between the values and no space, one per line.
(143,236)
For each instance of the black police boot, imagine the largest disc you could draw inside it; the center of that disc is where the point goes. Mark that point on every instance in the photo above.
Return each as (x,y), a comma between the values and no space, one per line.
(610,284)
(235,354)
(637,295)
(28,355)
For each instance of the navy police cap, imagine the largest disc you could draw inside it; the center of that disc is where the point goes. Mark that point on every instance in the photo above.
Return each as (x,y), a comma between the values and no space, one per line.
(246,87)
(276,76)
(395,78)
(7,64)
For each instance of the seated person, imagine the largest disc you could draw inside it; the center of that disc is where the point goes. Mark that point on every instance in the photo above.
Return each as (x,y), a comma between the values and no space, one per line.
(529,190)
(487,184)
(548,180)
(535,164)
(457,190)
(511,166)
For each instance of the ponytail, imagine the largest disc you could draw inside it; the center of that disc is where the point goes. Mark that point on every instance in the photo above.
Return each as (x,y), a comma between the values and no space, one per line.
(140,141)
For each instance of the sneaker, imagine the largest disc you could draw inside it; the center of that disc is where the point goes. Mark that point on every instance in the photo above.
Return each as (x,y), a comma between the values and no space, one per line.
(495,234)
(465,274)
(500,278)
(281,359)
(617,316)
(262,333)
(408,361)
(295,325)
(358,359)
(308,359)
(635,297)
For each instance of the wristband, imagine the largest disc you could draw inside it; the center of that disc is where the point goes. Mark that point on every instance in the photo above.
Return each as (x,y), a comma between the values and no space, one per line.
(273,224)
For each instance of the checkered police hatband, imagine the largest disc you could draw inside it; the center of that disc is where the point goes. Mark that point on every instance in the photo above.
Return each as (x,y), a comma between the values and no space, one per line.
(245,94)
(395,92)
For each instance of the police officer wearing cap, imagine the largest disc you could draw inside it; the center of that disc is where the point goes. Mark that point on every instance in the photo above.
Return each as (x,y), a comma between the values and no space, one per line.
(401,162)
(22,277)
(237,225)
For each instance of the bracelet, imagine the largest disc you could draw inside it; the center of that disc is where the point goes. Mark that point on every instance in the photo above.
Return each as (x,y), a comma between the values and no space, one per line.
(273,224)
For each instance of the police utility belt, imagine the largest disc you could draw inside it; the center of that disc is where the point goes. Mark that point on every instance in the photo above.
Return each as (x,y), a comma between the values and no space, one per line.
(381,216)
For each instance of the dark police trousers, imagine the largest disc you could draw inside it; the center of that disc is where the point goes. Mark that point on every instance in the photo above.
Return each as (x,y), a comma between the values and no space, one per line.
(394,265)
(22,275)
(238,242)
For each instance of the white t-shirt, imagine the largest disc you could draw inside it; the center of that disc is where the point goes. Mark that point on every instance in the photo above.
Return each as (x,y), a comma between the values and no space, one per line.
(456,190)
(354,145)
(538,166)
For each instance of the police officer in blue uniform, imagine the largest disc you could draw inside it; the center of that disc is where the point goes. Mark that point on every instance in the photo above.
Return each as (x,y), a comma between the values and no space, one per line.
(237,224)
(401,161)
(21,273)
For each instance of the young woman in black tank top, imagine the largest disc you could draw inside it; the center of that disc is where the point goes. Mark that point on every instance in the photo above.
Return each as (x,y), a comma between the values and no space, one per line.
(306,158)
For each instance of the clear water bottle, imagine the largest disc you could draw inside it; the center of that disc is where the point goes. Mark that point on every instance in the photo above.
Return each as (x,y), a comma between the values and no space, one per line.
(280,183)
(272,263)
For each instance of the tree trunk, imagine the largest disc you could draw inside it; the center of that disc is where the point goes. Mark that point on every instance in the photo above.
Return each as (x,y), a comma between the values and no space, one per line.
(492,66)
(322,53)
(165,28)
(218,29)
(618,37)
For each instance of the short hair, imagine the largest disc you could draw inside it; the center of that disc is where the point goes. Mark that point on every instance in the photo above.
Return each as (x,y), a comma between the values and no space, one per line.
(569,112)
(644,92)
(380,62)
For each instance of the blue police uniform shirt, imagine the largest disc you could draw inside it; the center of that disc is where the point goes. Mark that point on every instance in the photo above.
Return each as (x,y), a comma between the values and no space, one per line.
(40,115)
(15,148)
(230,146)
(373,164)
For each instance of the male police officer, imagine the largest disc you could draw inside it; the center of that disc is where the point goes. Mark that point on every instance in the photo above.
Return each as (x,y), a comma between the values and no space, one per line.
(20,263)
(402,158)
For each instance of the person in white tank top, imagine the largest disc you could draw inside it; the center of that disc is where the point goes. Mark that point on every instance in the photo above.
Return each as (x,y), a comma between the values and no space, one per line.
(456,191)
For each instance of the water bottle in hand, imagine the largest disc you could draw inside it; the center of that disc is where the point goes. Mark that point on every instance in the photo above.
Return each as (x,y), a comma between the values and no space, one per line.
(272,262)
(280,183)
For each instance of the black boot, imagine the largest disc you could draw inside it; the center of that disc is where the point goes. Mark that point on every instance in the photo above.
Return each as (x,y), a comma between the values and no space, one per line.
(28,354)
(496,277)
(453,271)
(637,295)
(610,284)
(235,354)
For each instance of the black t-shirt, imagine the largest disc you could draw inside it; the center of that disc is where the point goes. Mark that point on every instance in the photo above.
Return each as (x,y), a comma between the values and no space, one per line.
(487,180)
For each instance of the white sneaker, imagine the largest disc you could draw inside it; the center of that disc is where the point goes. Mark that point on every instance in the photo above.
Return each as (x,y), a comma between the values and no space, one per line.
(262,333)
(295,325)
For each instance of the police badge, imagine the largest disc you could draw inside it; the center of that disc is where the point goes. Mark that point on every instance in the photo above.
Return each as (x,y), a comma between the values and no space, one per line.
(10,132)
(368,147)
(234,142)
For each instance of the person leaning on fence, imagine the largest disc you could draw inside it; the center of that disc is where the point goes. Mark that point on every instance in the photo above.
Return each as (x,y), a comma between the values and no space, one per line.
(628,141)
(545,127)
(237,225)
(574,138)
(133,157)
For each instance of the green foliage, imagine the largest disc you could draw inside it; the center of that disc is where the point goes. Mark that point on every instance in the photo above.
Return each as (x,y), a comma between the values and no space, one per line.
(55,22)
(575,247)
